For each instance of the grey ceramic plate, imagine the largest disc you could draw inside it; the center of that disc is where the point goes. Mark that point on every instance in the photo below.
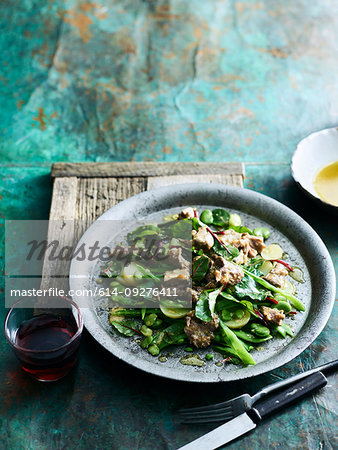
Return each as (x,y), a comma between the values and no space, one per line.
(296,237)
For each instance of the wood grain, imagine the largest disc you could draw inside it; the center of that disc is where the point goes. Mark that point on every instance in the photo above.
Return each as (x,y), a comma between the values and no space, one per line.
(230,179)
(61,229)
(144,169)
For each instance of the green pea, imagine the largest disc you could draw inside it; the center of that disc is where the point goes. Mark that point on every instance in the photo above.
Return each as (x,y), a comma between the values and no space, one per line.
(146,331)
(150,319)
(238,314)
(180,341)
(206,217)
(189,349)
(158,323)
(285,306)
(146,341)
(154,350)
(260,330)
(264,232)
(209,356)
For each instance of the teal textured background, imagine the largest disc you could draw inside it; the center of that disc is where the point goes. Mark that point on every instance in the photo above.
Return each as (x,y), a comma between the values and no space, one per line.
(160,81)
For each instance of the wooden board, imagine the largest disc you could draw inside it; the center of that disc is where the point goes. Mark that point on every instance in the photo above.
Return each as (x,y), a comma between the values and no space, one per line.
(84,191)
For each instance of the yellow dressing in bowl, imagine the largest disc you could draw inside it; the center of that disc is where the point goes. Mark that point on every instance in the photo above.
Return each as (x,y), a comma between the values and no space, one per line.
(326,183)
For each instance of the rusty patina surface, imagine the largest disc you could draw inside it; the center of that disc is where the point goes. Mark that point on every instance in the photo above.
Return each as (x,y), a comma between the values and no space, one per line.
(162,81)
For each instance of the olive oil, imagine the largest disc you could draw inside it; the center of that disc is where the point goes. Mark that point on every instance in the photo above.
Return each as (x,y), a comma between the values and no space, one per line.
(326,183)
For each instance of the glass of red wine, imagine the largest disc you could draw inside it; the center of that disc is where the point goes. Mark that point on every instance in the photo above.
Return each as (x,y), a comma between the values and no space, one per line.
(45,337)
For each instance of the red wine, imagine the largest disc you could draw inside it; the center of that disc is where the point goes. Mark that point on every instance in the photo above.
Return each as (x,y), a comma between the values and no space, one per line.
(43,351)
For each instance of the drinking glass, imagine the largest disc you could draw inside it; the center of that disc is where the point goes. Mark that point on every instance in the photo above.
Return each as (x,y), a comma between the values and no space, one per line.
(45,337)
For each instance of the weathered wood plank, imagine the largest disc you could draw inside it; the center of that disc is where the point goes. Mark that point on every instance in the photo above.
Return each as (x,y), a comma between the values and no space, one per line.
(144,169)
(61,228)
(97,195)
(231,179)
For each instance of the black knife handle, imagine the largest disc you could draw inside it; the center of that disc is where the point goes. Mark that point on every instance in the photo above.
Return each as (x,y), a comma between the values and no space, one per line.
(285,398)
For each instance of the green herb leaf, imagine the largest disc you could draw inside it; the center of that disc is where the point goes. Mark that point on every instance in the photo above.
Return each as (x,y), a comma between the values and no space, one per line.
(220,217)
(212,299)
(205,306)
(225,250)
(202,310)
(294,300)
(200,268)
(227,303)
(196,224)
(241,229)
(127,327)
(247,287)
(181,229)
(174,334)
(142,231)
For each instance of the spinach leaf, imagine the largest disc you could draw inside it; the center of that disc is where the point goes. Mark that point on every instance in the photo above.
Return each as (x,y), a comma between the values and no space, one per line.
(205,307)
(113,268)
(202,310)
(174,334)
(127,327)
(248,287)
(142,231)
(250,307)
(181,229)
(228,300)
(220,217)
(254,265)
(196,224)
(212,299)
(228,252)
(200,268)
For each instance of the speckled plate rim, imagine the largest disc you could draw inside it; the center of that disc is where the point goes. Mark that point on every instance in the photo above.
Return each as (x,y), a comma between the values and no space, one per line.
(273,212)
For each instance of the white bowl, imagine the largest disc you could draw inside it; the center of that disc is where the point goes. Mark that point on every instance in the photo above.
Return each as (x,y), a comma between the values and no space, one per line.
(313,153)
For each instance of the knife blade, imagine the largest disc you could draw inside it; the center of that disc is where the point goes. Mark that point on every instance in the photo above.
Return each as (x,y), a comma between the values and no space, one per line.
(247,421)
(225,433)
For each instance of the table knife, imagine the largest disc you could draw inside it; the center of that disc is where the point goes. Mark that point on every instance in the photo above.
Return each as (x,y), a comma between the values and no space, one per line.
(248,421)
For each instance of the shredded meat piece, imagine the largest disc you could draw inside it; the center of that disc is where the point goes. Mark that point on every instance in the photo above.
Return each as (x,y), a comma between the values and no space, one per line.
(187,213)
(272,315)
(195,293)
(249,246)
(176,258)
(255,242)
(224,271)
(202,239)
(277,275)
(241,258)
(200,333)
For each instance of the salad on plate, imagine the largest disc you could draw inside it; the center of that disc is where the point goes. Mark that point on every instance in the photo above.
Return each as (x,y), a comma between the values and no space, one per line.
(238,285)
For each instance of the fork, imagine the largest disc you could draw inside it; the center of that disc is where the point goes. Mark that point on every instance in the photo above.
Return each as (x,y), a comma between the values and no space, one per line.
(225,411)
